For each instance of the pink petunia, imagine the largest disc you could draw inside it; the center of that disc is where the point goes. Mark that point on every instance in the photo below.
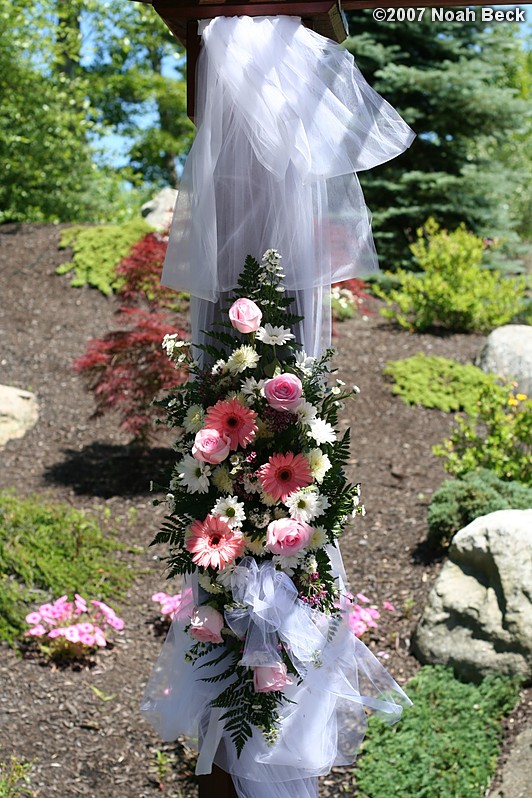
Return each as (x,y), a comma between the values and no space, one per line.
(233,419)
(213,543)
(283,474)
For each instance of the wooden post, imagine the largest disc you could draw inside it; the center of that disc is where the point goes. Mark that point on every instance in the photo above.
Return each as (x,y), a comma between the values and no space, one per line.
(217,784)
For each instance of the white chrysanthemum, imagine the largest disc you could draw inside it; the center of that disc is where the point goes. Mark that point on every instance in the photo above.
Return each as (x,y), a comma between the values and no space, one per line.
(305,363)
(219,367)
(305,505)
(255,547)
(319,463)
(306,412)
(274,336)
(321,431)
(208,584)
(193,474)
(230,510)
(279,512)
(222,480)
(268,500)
(319,538)
(224,576)
(286,564)
(242,358)
(194,418)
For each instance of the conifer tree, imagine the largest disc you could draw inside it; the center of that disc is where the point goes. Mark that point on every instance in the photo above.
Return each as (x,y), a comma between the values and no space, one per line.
(451,83)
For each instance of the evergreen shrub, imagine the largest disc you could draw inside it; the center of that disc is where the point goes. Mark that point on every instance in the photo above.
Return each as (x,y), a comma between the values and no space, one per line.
(452,291)
(48,549)
(438,382)
(457,502)
(446,744)
(97,251)
(497,437)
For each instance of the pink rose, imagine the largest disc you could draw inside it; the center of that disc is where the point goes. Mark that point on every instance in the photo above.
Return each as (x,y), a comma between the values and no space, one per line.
(245,315)
(267,678)
(287,536)
(210,446)
(206,624)
(284,392)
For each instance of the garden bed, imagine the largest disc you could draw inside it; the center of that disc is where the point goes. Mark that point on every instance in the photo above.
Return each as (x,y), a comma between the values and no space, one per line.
(81,727)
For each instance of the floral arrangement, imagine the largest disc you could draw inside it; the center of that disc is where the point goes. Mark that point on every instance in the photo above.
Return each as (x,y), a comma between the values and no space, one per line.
(73,629)
(259,486)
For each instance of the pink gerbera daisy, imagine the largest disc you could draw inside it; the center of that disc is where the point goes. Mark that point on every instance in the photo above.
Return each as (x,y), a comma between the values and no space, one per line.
(232,418)
(213,543)
(283,474)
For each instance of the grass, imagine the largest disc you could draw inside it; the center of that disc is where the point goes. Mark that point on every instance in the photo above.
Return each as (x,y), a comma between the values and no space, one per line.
(48,549)
(446,745)
(15,778)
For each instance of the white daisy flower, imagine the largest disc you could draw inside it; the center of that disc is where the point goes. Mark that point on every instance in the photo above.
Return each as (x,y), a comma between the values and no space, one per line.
(274,336)
(224,576)
(321,431)
(319,463)
(319,538)
(305,505)
(255,547)
(194,418)
(230,510)
(222,480)
(286,564)
(205,581)
(242,358)
(306,412)
(193,474)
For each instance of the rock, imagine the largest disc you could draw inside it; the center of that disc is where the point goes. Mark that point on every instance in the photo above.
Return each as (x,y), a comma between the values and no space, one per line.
(478,618)
(158,212)
(508,352)
(517,770)
(19,412)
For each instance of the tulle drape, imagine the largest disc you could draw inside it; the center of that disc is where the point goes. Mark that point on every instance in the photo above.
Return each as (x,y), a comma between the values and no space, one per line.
(285,119)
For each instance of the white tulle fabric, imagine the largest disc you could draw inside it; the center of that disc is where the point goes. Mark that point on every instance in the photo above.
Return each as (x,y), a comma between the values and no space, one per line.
(339,682)
(285,119)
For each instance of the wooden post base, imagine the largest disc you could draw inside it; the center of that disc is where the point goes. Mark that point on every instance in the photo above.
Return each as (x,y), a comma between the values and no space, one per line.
(217,784)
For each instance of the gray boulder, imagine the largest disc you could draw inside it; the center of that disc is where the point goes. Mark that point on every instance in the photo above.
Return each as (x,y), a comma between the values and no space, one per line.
(19,412)
(478,618)
(159,211)
(508,352)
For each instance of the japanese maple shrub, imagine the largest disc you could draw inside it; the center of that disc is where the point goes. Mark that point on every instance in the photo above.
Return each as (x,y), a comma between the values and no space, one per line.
(127,367)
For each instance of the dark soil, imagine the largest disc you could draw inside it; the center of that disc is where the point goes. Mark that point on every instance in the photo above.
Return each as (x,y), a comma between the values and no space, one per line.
(81,727)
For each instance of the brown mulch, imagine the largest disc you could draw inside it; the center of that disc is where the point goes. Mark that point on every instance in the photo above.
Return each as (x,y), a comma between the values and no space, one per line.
(81,728)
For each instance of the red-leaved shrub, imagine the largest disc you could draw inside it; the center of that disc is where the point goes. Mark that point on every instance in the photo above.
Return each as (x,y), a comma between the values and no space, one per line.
(127,368)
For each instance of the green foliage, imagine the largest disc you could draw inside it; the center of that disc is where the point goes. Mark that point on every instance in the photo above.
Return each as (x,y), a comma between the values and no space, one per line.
(432,381)
(15,778)
(48,549)
(445,746)
(457,502)
(453,291)
(498,437)
(97,251)
(454,84)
